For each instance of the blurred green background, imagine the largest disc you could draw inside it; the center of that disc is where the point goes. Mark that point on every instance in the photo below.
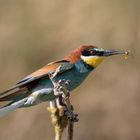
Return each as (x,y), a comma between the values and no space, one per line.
(33,33)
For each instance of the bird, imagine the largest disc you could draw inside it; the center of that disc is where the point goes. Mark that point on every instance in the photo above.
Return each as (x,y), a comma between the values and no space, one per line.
(37,87)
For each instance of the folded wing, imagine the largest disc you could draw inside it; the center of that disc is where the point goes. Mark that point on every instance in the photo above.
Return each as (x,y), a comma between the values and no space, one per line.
(20,90)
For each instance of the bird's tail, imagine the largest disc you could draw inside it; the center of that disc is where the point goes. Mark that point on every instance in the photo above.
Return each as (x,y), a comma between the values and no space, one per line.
(11,107)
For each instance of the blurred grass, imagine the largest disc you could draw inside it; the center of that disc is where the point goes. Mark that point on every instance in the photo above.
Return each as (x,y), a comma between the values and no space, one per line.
(33,33)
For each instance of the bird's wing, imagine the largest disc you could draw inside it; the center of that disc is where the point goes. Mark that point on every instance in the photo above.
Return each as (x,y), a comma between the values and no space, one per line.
(39,74)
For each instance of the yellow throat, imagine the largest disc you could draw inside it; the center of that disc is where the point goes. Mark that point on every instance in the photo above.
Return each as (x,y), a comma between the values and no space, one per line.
(93,61)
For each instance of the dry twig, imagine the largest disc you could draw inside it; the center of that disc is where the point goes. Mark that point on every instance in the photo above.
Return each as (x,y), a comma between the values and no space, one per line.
(60,117)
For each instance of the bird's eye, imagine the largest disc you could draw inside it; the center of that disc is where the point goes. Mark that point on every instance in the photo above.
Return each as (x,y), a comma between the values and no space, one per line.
(92,52)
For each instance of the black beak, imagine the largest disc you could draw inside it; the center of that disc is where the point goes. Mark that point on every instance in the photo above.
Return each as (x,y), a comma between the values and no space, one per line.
(114,52)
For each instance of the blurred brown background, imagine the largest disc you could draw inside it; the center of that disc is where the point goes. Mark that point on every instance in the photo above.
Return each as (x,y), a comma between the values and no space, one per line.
(33,33)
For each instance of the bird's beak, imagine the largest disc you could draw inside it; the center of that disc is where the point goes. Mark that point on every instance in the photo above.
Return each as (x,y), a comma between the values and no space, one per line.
(114,52)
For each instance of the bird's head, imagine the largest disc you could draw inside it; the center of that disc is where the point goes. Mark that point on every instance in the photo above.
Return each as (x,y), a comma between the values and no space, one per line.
(93,56)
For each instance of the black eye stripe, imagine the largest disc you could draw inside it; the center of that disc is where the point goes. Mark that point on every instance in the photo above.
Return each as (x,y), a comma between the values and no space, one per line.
(86,53)
(92,52)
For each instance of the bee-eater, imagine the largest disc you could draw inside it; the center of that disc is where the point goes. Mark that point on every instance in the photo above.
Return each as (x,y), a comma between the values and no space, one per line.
(37,87)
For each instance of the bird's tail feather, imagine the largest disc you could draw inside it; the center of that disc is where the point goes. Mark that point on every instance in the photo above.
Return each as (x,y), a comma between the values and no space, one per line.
(14,95)
(11,107)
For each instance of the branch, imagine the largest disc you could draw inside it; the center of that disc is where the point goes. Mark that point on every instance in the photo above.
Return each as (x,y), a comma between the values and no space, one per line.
(60,117)
(70,130)
(59,121)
